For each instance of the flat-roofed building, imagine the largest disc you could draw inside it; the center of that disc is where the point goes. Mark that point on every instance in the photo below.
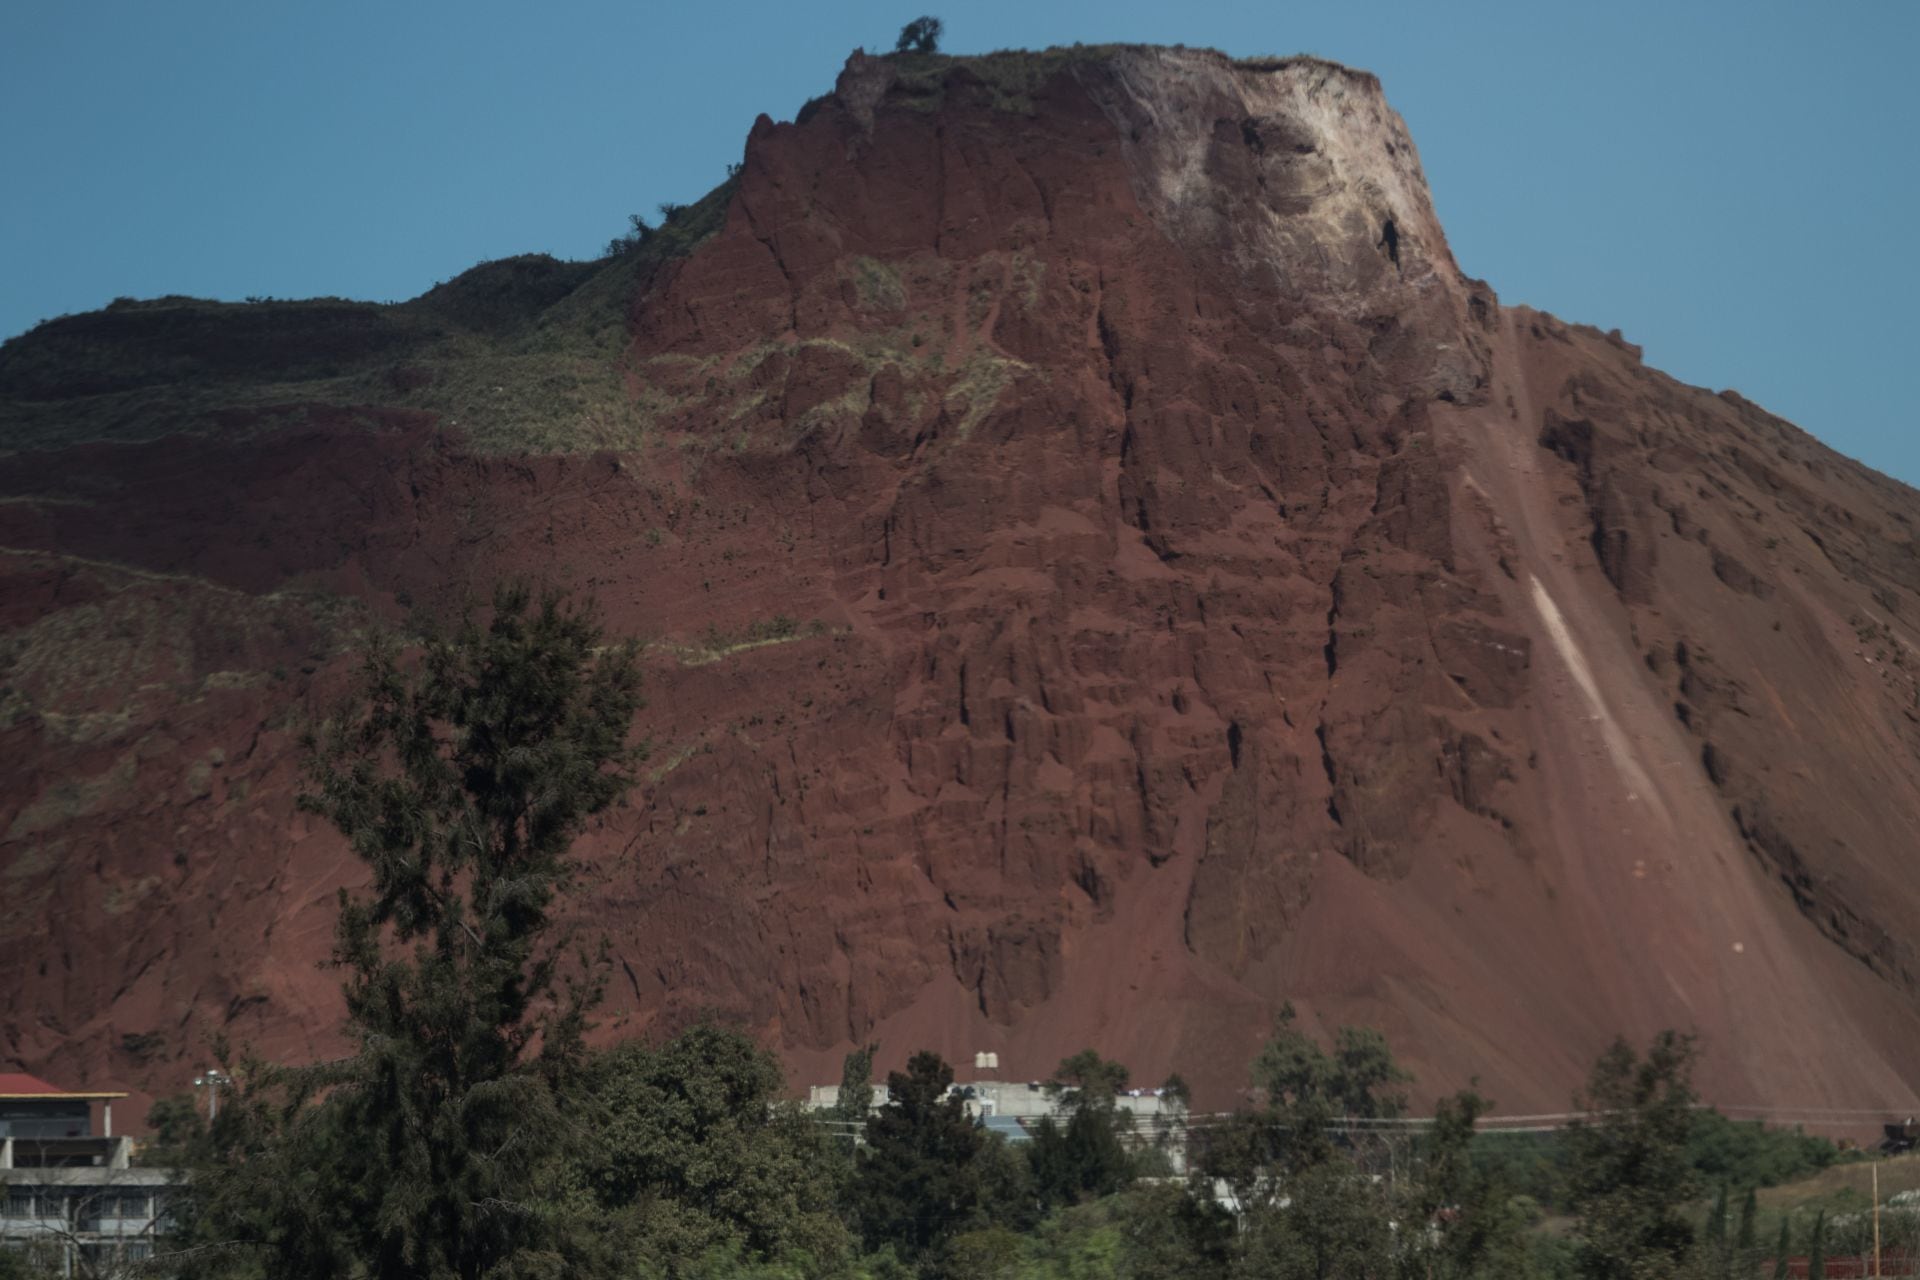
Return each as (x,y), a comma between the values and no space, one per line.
(69,1190)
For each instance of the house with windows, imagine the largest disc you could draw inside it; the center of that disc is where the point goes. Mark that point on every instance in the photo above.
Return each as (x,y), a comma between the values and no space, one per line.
(70,1190)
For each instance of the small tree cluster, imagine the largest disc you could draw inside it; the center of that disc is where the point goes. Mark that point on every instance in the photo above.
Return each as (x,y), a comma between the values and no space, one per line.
(922,35)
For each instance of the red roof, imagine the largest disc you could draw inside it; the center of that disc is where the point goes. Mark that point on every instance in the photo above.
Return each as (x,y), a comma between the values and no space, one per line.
(19,1082)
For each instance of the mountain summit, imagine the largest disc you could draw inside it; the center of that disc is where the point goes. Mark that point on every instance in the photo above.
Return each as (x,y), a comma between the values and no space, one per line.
(1107,572)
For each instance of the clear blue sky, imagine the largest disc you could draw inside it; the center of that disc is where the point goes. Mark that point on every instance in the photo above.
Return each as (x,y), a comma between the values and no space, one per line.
(1732,184)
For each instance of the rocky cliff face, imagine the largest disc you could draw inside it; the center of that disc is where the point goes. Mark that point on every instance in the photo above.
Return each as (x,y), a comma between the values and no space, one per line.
(1107,572)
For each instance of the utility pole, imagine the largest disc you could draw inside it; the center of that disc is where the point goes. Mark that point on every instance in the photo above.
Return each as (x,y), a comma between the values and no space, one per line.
(212,1080)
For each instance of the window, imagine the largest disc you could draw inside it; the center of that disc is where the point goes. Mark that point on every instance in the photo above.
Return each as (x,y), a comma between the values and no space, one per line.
(19,1204)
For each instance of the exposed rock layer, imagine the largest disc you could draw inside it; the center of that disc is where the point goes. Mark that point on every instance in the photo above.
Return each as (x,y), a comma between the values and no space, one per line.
(1110,572)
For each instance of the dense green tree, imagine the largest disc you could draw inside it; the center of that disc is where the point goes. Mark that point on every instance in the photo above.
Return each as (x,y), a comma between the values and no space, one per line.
(1006,1186)
(1307,1209)
(1474,1227)
(1629,1173)
(1304,1089)
(1149,1232)
(983,1253)
(915,1182)
(1782,1249)
(1087,1080)
(1335,1223)
(1738,1153)
(1168,1234)
(461,775)
(175,1129)
(855,1099)
(1307,1088)
(1817,1248)
(922,35)
(1240,1152)
(1551,1257)
(693,1154)
(1084,1157)
(1088,1154)
(1748,1153)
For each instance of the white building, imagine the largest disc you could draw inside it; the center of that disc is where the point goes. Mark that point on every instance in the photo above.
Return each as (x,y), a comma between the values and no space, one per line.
(1011,1108)
(70,1194)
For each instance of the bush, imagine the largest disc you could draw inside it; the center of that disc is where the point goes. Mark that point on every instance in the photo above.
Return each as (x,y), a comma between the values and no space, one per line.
(1747,1153)
(693,1147)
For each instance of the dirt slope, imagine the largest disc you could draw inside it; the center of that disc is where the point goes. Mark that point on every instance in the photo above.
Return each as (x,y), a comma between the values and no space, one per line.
(1108,572)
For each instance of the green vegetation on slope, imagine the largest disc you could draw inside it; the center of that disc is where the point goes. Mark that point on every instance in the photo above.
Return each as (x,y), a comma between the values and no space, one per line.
(1720,1151)
(522,355)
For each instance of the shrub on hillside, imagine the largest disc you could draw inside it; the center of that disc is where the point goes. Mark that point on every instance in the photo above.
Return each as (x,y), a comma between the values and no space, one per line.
(1748,1153)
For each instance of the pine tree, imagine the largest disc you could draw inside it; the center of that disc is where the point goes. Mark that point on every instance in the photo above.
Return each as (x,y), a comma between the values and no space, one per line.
(460,775)
(1817,1248)
(1781,1250)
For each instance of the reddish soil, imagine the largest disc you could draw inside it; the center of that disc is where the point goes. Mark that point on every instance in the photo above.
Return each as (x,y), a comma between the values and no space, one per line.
(1202,596)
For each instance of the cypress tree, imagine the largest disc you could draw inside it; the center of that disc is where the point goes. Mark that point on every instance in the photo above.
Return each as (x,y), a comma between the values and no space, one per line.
(914,1181)
(854,1102)
(1717,1233)
(1746,1245)
(1781,1248)
(1817,1248)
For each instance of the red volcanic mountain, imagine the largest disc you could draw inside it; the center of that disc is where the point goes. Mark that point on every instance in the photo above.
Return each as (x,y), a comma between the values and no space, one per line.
(1106,571)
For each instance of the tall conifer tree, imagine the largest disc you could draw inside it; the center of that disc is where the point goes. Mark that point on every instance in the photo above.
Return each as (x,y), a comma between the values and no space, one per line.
(460,773)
